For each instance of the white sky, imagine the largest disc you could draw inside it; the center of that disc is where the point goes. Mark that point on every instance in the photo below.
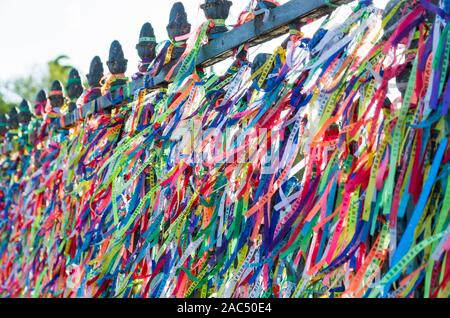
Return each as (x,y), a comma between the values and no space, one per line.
(33,32)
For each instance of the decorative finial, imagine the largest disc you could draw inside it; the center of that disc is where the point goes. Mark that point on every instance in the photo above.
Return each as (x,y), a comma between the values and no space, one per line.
(117,64)
(74,89)
(94,77)
(217,11)
(96,72)
(147,43)
(146,49)
(56,96)
(24,112)
(260,61)
(178,26)
(39,103)
(178,22)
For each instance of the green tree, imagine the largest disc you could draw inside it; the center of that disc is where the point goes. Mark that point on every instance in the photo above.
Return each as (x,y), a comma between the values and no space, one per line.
(28,86)
(4,105)
(57,70)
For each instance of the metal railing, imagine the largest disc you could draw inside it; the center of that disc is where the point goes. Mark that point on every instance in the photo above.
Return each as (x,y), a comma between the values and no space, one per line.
(255,32)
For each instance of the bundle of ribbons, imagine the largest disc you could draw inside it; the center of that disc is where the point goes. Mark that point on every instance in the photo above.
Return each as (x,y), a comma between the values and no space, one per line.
(325,173)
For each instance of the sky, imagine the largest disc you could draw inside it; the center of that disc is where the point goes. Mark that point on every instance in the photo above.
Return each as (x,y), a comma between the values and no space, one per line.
(36,31)
(32,32)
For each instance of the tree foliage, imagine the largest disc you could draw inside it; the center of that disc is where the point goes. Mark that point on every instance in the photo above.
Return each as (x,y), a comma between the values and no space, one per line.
(4,105)
(57,70)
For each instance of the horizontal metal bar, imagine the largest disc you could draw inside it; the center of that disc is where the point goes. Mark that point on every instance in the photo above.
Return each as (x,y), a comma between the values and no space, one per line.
(254,32)
(257,31)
